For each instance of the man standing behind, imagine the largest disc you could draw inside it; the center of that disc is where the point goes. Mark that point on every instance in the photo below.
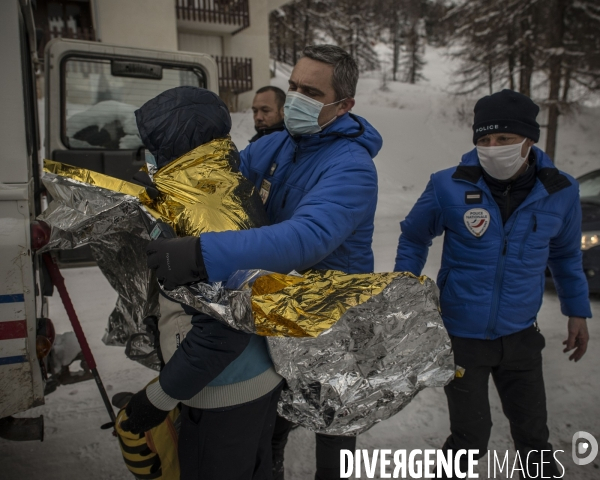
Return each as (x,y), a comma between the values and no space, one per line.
(506,212)
(267,109)
(318,183)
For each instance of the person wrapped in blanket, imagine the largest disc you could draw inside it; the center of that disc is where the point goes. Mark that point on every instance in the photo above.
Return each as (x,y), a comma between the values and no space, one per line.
(232,399)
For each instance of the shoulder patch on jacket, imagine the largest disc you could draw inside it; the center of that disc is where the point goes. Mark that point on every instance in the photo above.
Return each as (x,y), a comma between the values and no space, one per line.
(469,173)
(553,180)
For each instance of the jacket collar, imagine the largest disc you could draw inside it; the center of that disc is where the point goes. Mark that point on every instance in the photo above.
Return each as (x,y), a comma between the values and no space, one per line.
(348,126)
(550,177)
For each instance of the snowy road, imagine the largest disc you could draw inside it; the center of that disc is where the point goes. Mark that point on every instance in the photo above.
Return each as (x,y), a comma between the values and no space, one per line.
(75,447)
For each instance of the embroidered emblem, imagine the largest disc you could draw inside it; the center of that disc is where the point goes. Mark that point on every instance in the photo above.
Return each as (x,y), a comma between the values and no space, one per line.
(265,188)
(477,221)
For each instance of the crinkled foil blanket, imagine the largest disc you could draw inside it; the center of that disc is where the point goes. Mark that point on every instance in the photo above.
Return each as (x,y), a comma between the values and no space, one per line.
(380,340)
(199,192)
(371,342)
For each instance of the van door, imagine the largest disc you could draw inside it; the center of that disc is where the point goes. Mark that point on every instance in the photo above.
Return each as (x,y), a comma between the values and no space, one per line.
(21,384)
(92,92)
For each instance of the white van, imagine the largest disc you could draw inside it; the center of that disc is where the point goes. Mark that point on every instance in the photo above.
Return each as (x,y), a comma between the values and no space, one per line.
(91,92)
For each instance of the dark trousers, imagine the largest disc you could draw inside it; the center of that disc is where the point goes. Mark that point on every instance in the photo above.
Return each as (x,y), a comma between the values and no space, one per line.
(515,364)
(231,443)
(327,446)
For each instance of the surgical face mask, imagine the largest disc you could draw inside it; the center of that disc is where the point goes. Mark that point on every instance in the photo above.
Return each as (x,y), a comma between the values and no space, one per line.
(502,162)
(301,114)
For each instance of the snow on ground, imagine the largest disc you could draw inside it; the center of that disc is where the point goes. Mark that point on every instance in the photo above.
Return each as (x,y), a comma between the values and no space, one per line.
(424,130)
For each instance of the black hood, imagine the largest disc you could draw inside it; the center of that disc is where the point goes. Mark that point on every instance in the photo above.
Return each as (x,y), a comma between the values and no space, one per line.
(181,119)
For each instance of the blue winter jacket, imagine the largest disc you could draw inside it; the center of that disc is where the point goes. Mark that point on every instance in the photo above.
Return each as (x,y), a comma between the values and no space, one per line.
(321,203)
(492,285)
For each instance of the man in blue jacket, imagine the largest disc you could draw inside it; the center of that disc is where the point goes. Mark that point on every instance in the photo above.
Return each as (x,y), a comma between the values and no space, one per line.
(506,213)
(318,183)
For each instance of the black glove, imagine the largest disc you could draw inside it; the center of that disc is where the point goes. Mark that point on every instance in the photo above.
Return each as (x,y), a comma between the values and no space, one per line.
(177,261)
(143,179)
(142,415)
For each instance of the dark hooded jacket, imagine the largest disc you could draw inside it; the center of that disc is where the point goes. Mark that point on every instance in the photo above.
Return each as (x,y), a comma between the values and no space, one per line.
(181,119)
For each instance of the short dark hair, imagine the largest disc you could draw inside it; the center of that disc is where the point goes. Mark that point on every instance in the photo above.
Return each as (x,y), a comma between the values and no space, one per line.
(345,69)
(279,94)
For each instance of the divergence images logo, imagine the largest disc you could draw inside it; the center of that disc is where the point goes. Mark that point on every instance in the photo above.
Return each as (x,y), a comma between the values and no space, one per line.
(587,445)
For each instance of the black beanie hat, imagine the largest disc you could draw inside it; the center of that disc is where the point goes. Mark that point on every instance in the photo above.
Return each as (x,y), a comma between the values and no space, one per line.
(506,112)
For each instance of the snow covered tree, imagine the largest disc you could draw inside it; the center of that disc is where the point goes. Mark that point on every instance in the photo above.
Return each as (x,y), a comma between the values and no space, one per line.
(405,22)
(498,41)
(292,27)
(489,39)
(347,23)
(412,62)
(572,56)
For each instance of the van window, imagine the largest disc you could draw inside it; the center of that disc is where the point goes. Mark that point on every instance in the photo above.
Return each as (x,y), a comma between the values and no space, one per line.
(100,97)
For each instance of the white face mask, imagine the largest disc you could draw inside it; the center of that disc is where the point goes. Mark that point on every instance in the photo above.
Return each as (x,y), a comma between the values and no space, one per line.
(301,114)
(502,162)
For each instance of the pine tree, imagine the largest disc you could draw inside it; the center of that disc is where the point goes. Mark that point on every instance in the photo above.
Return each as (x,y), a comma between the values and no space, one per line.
(347,23)
(571,57)
(413,62)
(499,41)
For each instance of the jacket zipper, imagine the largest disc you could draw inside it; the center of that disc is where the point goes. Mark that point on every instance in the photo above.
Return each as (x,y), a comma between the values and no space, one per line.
(531,228)
(506,194)
(496,292)
(498,279)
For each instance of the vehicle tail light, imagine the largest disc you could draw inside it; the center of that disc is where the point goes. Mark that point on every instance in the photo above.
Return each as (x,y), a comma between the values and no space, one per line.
(40,234)
(42,346)
(45,337)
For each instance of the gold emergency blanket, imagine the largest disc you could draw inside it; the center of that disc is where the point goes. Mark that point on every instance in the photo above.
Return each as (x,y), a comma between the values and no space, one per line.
(201,191)
(288,306)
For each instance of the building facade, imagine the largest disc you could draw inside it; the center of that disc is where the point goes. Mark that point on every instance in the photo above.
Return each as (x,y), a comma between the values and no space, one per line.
(234,32)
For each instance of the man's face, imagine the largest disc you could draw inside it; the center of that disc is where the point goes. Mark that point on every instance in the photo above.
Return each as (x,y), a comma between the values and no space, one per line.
(501,139)
(314,79)
(266,111)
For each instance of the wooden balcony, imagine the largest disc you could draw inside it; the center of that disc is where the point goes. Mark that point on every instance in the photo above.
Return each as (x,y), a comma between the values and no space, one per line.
(62,19)
(64,32)
(222,16)
(235,74)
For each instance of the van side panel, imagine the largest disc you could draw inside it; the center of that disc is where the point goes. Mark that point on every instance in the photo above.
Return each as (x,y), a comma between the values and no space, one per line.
(21,385)
(20,376)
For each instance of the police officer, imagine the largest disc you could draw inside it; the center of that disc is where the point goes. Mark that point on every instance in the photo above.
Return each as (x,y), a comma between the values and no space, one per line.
(506,213)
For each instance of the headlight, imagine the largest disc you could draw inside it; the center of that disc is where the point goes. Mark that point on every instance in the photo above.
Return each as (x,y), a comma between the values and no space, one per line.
(589,240)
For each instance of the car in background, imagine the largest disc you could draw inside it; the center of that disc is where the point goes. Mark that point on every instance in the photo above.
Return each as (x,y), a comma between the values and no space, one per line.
(589,193)
(589,190)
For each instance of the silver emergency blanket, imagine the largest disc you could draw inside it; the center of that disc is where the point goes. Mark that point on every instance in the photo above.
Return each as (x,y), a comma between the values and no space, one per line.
(369,365)
(111,224)
(362,370)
